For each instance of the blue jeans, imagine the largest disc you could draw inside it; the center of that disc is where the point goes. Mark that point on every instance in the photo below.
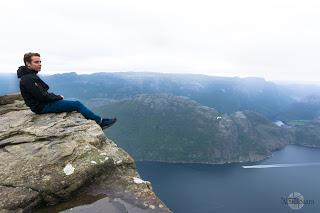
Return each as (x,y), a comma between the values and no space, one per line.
(65,105)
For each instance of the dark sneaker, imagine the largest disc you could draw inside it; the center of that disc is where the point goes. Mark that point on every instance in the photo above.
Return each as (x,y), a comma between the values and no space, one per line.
(107,122)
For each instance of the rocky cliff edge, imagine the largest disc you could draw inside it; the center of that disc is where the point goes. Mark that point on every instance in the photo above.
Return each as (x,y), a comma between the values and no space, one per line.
(62,158)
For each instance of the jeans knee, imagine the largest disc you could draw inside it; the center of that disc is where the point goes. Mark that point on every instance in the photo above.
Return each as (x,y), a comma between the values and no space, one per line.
(78,104)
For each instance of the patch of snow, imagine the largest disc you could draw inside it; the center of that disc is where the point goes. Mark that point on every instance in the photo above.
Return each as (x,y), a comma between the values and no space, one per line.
(68,169)
(279,123)
(219,117)
(103,153)
(106,158)
(93,162)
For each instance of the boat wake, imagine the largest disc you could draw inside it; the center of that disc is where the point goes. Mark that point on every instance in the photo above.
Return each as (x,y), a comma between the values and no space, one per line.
(281,165)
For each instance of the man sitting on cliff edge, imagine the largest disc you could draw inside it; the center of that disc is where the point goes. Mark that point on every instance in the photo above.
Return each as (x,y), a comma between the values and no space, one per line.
(39,100)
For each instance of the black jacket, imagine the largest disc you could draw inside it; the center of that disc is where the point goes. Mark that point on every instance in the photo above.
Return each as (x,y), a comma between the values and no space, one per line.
(34,90)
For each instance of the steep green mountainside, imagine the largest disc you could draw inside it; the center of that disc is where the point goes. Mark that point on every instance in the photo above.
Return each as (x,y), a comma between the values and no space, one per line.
(165,127)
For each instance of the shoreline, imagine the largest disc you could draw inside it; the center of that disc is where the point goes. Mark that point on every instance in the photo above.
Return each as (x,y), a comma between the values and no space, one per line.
(227,163)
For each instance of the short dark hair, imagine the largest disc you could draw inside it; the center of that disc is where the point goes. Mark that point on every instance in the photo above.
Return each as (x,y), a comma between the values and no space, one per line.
(27,57)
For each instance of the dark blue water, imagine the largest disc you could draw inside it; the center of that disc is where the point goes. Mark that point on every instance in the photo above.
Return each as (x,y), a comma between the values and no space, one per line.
(203,188)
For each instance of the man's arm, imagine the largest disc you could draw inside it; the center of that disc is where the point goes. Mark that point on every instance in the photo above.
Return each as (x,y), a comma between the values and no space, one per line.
(38,92)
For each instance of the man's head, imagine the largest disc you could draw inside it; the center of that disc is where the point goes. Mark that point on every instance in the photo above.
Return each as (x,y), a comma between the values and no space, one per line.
(32,61)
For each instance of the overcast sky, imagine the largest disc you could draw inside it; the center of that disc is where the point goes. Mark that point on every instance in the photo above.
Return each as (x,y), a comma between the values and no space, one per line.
(274,39)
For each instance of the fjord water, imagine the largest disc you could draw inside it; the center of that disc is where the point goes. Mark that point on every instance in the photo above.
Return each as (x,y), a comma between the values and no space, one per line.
(230,188)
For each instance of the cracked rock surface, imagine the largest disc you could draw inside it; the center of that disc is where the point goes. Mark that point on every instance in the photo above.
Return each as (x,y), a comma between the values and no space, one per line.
(62,158)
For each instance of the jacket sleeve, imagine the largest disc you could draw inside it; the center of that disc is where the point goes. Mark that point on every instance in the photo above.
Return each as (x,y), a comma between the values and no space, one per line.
(38,92)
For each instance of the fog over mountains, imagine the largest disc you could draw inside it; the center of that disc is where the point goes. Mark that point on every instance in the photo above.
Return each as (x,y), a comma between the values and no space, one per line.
(225,94)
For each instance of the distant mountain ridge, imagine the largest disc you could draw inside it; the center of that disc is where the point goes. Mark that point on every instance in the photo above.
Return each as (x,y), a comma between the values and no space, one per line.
(226,94)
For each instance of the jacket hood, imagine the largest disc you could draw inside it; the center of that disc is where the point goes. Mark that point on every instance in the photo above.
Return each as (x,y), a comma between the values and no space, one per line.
(23,70)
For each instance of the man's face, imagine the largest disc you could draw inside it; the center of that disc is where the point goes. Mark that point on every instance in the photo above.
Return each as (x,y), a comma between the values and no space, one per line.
(35,63)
